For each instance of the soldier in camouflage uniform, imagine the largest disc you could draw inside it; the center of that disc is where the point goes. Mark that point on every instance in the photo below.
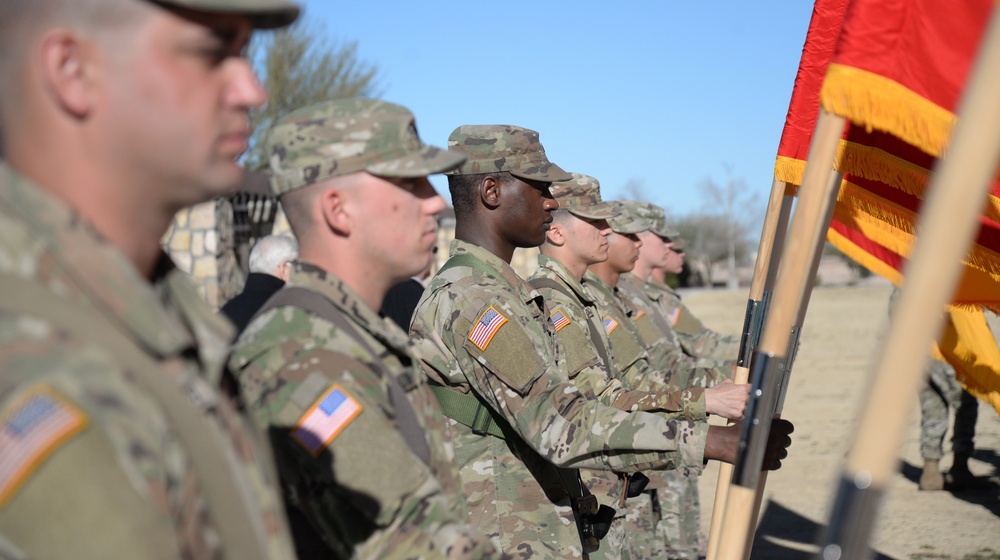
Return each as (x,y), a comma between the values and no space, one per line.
(359,438)
(696,339)
(676,513)
(577,238)
(114,442)
(520,426)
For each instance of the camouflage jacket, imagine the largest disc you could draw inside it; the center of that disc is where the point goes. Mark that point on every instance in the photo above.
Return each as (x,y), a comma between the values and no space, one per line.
(342,455)
(87,452)
(498,344)
(573,319)
(667,350)
(696,339)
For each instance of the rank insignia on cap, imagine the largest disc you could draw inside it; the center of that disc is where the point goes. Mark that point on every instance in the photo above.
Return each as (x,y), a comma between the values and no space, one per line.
(674,315)
(558,319)
(488,324)
(610,324)
(325,419)
(31,428)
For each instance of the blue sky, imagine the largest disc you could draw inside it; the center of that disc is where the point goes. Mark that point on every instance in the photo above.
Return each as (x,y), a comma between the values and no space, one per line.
(665,93)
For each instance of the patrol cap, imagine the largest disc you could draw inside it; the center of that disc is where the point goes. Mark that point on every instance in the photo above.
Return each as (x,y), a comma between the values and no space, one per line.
(334,138)
(263,14)
(655,215)
(626,222)
(581,195)
(502,147)
(679,244)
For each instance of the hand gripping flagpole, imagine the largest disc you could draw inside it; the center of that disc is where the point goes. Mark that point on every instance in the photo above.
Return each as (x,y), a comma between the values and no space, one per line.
(817,196)
(772,238)
(947,225)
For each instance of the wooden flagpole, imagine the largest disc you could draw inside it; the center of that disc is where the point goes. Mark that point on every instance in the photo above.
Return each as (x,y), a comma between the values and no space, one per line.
(808,227)
(772,237)
(947,225)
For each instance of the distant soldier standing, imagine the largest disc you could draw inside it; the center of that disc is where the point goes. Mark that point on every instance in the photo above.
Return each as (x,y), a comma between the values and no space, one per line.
(114,442)
(359,437)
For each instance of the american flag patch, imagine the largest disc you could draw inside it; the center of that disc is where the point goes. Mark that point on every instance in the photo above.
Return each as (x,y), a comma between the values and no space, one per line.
(30,430)
(488,324)
(674,315)
(325,419)
(640,314)
(558,319)
(610,324)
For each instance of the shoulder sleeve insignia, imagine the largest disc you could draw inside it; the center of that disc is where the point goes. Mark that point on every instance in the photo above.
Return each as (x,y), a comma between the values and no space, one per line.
(326,418)
(31,428)
(486,326)
(674,315)
(640,314)
(558,319)
(610,324)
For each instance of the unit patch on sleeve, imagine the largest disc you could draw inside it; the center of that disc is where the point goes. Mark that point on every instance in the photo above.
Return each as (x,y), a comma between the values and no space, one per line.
(558,319)
(610,324)
(486,326)
(31,428)
(325,419)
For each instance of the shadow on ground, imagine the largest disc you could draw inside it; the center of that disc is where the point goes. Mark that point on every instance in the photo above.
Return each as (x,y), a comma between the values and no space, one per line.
(986,491)
(785,535)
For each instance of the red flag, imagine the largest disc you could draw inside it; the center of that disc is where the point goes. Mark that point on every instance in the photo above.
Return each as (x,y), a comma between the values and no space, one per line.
(895,70)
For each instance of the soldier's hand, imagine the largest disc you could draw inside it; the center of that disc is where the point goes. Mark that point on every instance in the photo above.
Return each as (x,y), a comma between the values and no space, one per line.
(727,399)
(778,441)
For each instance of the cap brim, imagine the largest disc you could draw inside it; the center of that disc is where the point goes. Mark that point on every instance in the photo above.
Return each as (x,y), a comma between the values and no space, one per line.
(666,232)
(429,160)
(548,173)
(263,14)
(599,211)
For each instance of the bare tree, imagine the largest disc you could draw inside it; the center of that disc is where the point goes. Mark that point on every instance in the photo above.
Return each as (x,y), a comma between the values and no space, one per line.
(300,66)
(733,208)
(635,189)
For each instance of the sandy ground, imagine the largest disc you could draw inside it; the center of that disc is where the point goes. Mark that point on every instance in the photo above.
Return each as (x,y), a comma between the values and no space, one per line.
(842,330)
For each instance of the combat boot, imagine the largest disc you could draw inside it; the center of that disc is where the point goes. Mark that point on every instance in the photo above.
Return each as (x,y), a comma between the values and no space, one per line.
(960,477)
(931,479)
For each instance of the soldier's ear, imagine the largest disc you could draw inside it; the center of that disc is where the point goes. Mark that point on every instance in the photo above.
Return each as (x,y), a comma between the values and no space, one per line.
(489,191)
(555,236)
(67,71)
(334,210)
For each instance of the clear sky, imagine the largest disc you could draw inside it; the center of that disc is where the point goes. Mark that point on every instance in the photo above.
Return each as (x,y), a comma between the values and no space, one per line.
(663,92)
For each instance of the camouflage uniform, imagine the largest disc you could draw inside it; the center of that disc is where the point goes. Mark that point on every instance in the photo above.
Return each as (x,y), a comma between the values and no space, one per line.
(482,330)
(944,391)
(91,466)
(696,339)
(367,468)
(579,326)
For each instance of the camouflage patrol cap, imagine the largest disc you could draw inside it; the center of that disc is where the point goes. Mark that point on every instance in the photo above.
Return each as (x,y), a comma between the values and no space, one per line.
(581,195)
(655,215)
(626,222)
(679,244)
(263,14)
(334,138)
(500,147)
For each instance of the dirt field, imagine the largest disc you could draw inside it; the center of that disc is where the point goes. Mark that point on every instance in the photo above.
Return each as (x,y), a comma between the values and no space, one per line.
(841,332)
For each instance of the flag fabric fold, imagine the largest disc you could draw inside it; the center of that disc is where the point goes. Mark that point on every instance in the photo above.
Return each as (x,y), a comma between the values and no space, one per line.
(895,70)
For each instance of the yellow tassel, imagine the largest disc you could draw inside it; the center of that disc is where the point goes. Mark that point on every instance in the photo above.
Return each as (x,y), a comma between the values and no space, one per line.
(878,103)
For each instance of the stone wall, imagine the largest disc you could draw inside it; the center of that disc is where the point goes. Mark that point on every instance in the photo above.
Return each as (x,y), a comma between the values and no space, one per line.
(200,240)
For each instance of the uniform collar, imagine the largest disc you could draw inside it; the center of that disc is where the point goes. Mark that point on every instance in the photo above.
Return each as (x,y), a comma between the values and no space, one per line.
(559,270)
(165,317)
(345,299)
(502,268)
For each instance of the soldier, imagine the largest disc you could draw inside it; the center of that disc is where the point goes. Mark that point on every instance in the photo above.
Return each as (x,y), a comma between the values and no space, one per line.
(114,442)
(520,426)
(696,339)
(359,438)
(674,493)
(577,238)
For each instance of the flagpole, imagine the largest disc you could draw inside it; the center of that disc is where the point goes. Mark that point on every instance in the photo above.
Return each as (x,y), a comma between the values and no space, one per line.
(836,180)
(946,228)
(772,237)
(816,198)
